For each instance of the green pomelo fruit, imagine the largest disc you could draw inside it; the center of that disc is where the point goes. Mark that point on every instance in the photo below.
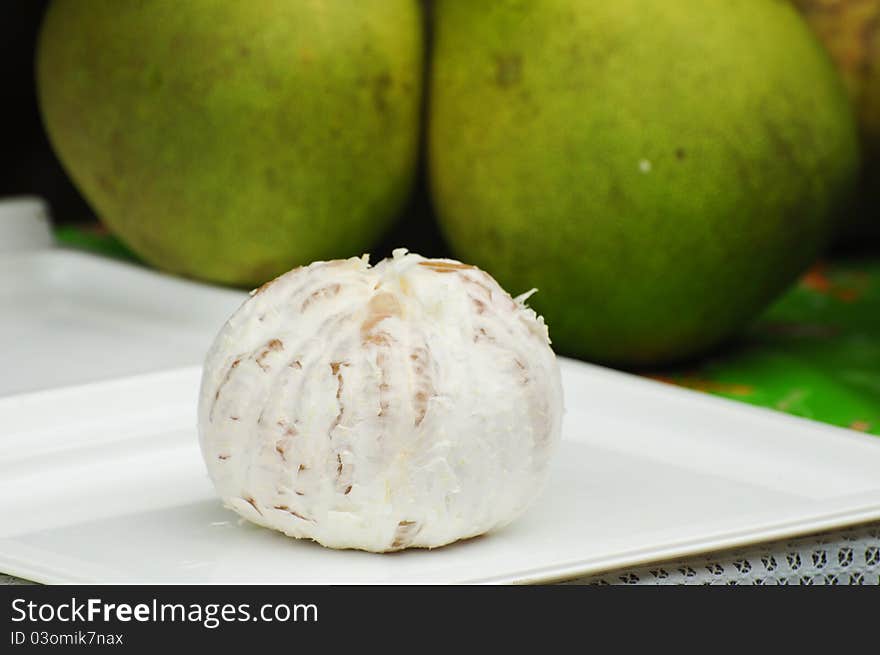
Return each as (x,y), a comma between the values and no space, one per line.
(229,140)
(659,170)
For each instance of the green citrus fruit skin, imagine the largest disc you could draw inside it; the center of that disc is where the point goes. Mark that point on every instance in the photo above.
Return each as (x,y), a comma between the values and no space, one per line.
(228,140)
(659,170)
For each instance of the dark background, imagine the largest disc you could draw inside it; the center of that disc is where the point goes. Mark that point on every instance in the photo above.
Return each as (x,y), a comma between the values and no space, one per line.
(27,164)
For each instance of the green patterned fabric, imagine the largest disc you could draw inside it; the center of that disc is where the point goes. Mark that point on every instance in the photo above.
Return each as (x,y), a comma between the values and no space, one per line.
(814,353)
(93,238)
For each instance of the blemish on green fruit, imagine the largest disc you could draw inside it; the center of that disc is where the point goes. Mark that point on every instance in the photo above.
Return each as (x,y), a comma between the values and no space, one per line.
(508,69)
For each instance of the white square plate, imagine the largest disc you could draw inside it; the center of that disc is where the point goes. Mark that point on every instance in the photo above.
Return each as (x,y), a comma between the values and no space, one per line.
(104,483)
(69,317)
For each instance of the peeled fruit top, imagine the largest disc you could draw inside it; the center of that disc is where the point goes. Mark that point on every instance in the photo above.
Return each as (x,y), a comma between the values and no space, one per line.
(408,404)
